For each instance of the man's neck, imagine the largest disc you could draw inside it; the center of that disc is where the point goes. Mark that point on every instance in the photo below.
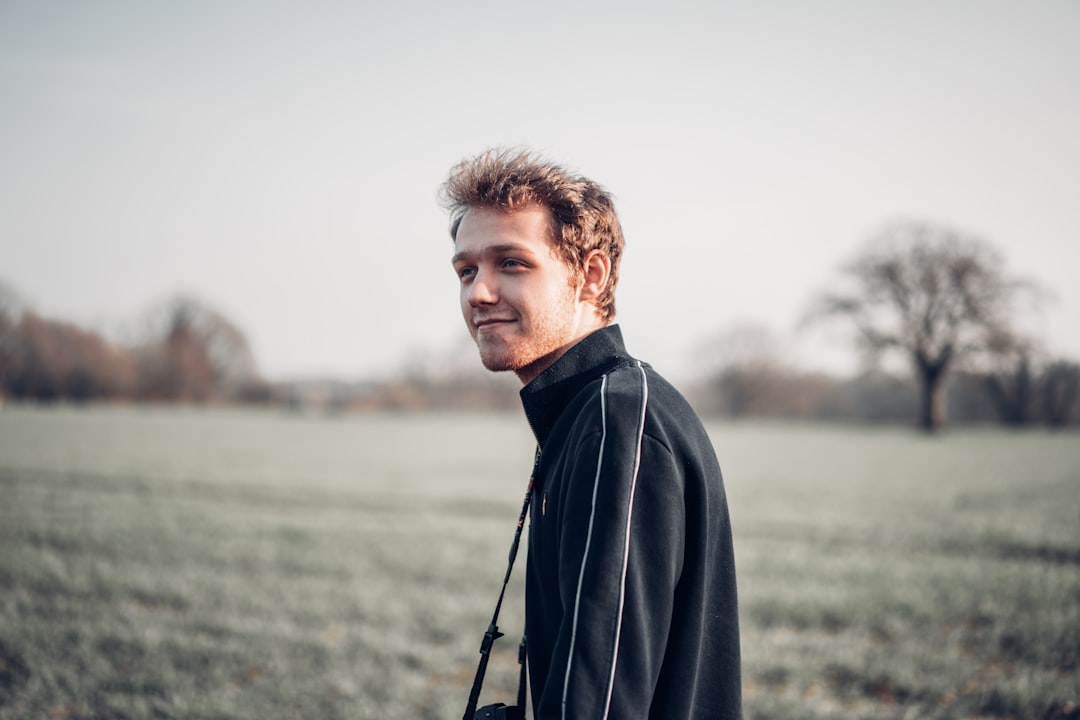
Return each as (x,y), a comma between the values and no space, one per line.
(533,369)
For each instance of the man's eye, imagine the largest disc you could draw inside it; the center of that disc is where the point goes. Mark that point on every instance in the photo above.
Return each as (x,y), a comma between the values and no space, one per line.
(512,264)
(465,273)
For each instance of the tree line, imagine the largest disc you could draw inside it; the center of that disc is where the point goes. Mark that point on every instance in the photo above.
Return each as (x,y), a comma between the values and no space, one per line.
(185,352)
(764,387)
(938,300)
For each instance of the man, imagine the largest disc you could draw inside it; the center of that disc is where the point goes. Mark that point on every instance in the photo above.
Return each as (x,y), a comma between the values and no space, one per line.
(630,607)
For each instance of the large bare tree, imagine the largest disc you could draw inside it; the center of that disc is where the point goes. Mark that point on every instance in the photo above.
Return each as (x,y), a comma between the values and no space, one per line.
(931,293)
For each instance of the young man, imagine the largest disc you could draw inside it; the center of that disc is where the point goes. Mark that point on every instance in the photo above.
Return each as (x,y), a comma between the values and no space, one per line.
(630,608)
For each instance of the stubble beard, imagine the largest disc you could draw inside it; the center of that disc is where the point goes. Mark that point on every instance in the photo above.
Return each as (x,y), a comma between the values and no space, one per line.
(521,351)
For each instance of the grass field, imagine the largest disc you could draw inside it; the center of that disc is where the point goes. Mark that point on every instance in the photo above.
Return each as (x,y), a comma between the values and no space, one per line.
(227,564)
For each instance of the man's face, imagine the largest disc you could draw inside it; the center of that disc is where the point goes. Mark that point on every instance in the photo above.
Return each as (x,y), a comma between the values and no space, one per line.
(516,292)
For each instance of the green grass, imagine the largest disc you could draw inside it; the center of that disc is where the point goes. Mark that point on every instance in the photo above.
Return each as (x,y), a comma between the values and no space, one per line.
(226,564)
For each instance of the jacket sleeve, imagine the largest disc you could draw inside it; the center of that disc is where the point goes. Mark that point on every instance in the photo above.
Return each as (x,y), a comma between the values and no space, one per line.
(620,554)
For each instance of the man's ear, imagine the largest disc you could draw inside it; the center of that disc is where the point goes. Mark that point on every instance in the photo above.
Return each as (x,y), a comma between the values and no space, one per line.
(596,271)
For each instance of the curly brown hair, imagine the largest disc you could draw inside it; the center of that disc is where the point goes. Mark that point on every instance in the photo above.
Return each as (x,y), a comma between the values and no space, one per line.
(583,215)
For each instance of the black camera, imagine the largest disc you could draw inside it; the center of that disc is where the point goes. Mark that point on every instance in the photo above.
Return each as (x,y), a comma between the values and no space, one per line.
(498,711)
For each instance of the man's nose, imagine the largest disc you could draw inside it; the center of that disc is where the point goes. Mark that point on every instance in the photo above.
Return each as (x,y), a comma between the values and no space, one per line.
(482,291)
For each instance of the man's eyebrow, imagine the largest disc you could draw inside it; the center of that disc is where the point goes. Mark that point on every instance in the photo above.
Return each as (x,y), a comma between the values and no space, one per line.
(491,250)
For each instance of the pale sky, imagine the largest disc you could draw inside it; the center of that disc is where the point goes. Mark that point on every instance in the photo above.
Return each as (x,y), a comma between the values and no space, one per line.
(282,160)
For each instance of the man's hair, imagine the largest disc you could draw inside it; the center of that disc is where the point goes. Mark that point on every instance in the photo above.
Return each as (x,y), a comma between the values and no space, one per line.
(582,213)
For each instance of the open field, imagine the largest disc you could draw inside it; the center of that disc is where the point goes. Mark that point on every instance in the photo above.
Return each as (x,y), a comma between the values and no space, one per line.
(227,564)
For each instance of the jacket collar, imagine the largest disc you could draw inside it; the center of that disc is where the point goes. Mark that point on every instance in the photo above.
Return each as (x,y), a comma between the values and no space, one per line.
(552,390)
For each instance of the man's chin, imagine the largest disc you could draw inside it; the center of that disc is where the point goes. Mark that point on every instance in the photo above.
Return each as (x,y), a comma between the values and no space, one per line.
(497,362)
(500,357)
(525,368)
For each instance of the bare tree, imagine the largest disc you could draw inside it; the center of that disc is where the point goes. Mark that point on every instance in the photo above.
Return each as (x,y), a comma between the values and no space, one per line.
(1010,378)
(932,294)
(1060,388)
(192,352)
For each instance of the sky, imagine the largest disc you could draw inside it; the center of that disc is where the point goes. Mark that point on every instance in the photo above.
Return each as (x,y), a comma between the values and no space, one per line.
(281,161)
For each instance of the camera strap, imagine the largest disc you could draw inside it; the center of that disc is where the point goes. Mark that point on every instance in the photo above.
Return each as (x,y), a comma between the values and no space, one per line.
(523,657)
(493,633)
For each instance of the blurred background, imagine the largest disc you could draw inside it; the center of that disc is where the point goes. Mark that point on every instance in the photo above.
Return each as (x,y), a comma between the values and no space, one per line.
(262,179)
(860,213)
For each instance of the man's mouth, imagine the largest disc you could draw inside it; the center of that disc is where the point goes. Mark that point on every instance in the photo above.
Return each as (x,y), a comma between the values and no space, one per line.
(490,323)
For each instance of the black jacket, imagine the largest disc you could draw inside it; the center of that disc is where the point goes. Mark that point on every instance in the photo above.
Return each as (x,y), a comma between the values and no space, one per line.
(630,607)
